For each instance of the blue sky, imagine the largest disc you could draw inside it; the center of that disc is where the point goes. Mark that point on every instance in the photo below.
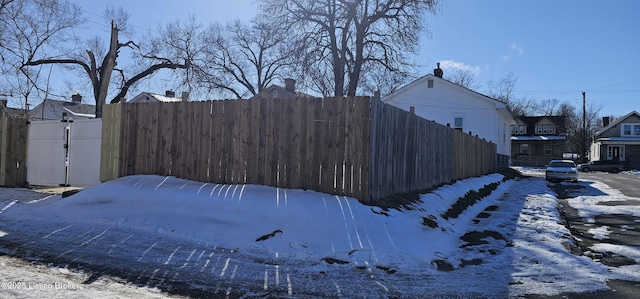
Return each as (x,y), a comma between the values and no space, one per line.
(556,49)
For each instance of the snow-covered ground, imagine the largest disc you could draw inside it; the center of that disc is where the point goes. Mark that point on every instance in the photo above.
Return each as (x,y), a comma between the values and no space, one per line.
(194,238)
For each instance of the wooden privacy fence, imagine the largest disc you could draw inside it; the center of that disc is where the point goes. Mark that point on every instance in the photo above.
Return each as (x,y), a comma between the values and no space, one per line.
(410,153)
(13,151)
(349,146)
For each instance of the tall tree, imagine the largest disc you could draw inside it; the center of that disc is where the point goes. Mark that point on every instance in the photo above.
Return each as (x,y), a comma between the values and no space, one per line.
(242,59)
(342,38)
(28,27)
(100,74)
(503,91)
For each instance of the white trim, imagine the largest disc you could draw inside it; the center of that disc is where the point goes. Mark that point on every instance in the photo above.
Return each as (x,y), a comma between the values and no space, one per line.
(610,151)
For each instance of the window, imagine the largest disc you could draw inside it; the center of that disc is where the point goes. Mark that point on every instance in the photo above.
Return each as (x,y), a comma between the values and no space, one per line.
(548,149)
(429,83)
(626,130)
(545,129)
(630,130)
(457,123)
(524,148)
(517,130)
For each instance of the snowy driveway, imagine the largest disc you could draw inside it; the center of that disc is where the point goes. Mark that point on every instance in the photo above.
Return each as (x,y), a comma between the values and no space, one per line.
(205,240)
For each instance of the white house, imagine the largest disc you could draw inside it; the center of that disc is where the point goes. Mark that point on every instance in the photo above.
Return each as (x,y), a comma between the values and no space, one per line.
(447,103)
(168,97)
(618,141)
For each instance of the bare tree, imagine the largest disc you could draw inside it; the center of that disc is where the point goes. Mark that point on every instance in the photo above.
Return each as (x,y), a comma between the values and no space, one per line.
(28,27)
(503,91)
(548,107)
(576,135)
(100,74)
(463,78)
(343,37)
(242,59)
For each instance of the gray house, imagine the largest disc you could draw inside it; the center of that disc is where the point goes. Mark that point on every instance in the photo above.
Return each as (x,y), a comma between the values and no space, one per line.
(618,141)
(54,109)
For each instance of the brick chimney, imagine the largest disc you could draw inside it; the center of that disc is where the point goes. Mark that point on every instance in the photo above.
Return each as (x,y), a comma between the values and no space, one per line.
(290,85)
(76,98)
(170,94)
(438,71)
(185,96)
(605,121)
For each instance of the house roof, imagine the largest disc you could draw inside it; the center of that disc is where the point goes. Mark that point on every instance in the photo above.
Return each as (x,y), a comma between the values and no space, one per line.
(153,97)
(11,112)
(619,120)
(277,91)
(500,106)
(538,138)
(52,110)
(531,121)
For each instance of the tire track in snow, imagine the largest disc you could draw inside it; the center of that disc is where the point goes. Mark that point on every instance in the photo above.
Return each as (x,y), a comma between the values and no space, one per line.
(200,189)
(206,262)
(353,218)
(344,217)
(57,231)
(95,237)
(8,206)
(165,179)
(213,190)
(172,254)
(188,259)
(114,246)
(234,191)
(41,199)
(145,252)
(224,269)
(241,192)
(389,237)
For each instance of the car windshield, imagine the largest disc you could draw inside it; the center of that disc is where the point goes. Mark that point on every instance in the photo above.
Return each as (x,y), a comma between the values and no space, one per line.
(561,164)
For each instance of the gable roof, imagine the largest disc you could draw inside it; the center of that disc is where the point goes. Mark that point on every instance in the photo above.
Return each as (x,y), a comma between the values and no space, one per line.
(530,123)
(619,120)
(153,97)
(501,107)
(52,110)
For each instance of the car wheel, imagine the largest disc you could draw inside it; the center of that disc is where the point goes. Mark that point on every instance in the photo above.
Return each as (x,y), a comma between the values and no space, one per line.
(615,170)
(586,169)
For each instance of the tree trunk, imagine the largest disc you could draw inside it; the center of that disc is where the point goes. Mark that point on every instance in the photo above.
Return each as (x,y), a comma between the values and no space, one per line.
(108,64)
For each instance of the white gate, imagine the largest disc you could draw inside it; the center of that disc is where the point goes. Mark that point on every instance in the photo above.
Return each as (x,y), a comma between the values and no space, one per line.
(61,153)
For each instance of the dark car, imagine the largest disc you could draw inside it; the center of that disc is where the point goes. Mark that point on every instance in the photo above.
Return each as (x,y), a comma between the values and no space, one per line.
(604,165)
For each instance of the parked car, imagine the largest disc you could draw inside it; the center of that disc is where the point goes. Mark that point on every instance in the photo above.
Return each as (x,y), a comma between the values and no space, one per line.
(561,170)
(604,165)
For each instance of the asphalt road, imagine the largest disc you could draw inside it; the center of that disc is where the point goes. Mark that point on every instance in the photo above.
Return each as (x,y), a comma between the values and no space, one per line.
(629,185)
(625,228)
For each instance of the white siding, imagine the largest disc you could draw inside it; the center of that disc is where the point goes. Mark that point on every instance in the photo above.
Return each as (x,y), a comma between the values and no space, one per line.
(446,101)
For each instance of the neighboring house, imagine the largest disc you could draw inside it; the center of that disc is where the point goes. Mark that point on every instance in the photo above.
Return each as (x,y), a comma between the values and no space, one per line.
(168,97)
(53,109)
(618,141)
(447,103)
(536,140)
(279,92)
(10,112)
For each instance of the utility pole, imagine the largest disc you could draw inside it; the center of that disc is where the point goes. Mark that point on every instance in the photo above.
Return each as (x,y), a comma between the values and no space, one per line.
(584,125)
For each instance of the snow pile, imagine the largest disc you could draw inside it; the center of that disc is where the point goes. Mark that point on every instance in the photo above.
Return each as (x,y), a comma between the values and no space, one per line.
(511,242)
(293,224)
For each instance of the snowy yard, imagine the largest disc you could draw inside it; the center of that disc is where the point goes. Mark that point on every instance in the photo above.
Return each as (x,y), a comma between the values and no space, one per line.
(190,238)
